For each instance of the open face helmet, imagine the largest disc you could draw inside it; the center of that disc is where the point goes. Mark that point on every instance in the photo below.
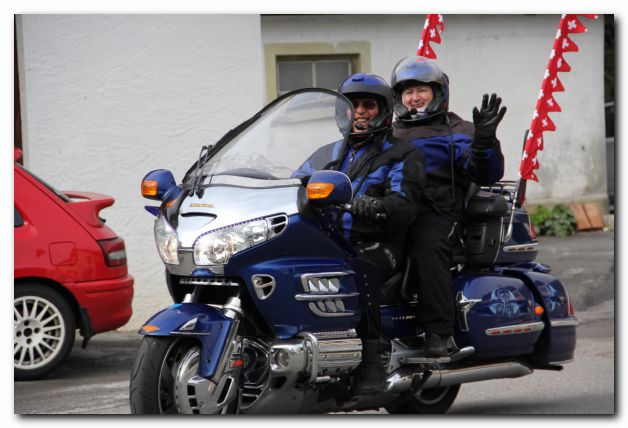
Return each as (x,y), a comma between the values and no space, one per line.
(370,86)
(413,71)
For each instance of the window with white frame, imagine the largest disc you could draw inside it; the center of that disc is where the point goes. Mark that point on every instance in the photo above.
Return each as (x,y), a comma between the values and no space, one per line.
(320,72)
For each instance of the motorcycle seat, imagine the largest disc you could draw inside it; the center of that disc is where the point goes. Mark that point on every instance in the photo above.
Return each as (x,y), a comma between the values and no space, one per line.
(397,288)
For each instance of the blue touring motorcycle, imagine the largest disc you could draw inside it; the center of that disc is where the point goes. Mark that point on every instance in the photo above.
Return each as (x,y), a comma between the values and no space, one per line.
(266,289)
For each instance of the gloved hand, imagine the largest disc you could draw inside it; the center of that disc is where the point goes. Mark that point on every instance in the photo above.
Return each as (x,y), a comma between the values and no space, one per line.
(486,120)
(368,208)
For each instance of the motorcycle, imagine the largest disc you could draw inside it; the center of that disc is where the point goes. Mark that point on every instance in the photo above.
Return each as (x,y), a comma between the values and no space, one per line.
(267,290)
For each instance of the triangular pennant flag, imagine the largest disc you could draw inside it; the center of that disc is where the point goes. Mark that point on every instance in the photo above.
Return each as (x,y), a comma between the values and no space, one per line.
(554,84)
(567,45)
(573,25)
(431,33)
(549,103)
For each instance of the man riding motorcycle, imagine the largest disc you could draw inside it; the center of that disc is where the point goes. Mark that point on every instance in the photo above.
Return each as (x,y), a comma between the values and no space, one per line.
(387,178)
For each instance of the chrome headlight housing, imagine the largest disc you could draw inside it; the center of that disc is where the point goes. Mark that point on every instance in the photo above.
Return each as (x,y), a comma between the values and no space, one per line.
(217,247)
(167,241)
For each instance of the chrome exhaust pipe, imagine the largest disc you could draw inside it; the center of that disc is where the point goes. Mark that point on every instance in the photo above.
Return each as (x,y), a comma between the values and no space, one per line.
(401,380)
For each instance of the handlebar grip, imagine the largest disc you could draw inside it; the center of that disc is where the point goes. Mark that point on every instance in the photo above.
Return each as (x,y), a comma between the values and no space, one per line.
(379,217)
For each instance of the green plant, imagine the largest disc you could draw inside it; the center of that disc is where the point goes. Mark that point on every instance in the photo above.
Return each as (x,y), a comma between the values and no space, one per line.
(558,221)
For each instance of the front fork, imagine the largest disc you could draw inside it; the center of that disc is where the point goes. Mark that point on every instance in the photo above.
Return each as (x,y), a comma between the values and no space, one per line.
(218,391)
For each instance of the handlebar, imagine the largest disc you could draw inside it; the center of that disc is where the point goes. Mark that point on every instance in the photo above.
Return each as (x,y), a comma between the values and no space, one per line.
(379,217)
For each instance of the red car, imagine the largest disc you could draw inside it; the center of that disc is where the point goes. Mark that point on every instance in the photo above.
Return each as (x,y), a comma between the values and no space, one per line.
(70,273)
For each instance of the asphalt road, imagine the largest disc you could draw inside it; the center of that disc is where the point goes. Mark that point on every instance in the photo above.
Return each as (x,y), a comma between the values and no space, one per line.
(95,380)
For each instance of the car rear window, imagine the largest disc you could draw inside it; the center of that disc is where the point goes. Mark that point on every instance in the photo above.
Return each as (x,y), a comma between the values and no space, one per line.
(48,186)
(17,218)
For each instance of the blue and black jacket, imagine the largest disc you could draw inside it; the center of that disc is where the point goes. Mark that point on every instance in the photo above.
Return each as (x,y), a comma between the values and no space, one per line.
(385,168)
(453,161)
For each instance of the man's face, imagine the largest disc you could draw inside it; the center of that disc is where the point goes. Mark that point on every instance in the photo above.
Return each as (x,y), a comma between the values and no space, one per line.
(417,97)
(366,109)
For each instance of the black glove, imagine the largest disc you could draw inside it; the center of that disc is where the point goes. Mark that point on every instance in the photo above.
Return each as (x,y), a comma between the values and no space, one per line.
(369,208)
(486,120)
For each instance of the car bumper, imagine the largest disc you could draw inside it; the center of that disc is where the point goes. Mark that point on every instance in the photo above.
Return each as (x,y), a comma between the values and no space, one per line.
(108,302)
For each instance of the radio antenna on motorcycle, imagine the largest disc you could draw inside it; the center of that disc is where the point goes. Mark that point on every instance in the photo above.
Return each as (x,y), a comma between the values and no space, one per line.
(518,197)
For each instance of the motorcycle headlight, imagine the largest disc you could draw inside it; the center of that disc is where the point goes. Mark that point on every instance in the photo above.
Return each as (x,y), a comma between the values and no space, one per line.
(218,246)
(167,241)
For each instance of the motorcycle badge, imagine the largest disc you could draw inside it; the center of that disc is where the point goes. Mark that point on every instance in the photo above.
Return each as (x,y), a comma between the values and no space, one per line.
(201,205)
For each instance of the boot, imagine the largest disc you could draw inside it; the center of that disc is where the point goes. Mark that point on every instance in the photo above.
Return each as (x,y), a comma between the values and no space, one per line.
(370,374)
(435,345)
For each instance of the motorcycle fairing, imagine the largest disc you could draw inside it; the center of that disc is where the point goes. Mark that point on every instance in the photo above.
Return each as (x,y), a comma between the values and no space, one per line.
(202,322)
(302,252)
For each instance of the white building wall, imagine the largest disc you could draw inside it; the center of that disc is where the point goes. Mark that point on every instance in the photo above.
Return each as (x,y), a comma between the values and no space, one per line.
(506,54)
(106,98)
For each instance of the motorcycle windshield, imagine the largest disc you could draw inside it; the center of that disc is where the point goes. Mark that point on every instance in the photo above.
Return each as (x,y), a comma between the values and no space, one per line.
(279,142)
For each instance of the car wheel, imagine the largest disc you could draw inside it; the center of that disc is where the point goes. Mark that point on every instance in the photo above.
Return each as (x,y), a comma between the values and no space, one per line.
(43,331)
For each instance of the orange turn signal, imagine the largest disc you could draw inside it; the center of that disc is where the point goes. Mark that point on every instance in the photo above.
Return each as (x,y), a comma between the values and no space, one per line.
(538,310)
(319,190)
(150,328)
(149,188)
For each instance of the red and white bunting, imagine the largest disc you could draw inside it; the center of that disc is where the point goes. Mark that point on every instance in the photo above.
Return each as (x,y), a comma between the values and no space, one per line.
(546,103)
(434,25)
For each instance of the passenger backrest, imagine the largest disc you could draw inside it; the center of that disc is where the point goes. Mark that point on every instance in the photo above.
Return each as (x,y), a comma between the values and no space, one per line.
(483,223)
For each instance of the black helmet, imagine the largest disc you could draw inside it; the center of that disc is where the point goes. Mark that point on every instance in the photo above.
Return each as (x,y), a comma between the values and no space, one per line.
(362,85)
(415,70)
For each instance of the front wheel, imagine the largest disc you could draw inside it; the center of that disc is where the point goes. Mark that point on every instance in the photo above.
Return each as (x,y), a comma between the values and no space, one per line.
(43,331)
(427,401)
(165,379)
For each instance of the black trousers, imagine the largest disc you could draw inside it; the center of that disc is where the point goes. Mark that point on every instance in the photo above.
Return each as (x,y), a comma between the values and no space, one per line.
(431,245)
(387,258)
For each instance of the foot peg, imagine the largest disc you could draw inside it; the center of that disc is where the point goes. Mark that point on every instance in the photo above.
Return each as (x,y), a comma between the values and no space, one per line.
(452,355)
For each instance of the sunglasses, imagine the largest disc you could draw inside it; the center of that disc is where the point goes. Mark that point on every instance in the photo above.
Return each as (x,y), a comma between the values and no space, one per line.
(367,104)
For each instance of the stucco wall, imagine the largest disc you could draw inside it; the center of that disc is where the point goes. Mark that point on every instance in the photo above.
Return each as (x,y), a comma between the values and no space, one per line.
(106,98)
(506,54)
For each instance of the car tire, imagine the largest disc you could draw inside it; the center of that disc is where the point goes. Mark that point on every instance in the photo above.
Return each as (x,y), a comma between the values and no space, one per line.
(43,330)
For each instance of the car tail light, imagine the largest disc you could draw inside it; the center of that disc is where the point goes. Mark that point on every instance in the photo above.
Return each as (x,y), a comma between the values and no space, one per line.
(114,251)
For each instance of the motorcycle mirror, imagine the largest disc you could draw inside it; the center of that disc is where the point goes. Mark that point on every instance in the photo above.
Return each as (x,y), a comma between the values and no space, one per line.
(157,184)
(329,187)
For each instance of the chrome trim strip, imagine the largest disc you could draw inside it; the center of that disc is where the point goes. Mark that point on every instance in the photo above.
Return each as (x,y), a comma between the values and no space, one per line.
(307,276)
(189,333)
(219,282)
(316,311)
(319,297)
(512,329)
(521,248)
(573,322)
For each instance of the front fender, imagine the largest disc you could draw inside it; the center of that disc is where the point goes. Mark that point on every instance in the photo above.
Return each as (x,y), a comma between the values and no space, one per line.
(204,323)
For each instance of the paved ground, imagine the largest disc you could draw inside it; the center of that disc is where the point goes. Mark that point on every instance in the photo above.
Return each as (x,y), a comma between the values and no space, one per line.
(584,263)
(95,380)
